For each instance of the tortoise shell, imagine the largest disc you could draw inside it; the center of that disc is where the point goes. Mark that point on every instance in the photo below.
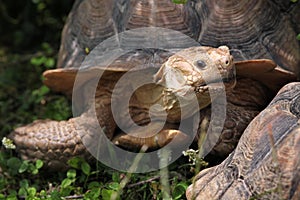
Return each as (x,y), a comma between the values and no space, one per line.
(251,29)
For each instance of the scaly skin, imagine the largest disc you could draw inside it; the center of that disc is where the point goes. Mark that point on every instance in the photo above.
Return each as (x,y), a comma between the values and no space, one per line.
(244,102)
(266,162)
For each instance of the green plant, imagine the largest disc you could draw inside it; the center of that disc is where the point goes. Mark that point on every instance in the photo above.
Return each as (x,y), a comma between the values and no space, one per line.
(179,1)
(14,182)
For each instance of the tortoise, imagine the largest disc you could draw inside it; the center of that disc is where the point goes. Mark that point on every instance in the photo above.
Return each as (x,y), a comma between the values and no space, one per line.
(175,84)
(251,30)
(273,136)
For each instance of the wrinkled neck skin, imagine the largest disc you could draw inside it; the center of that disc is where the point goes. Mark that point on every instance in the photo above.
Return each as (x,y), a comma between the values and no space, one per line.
(178,102)
(158,102)
(170,103)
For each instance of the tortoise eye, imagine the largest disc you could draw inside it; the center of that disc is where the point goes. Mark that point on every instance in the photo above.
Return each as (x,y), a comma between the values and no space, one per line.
(200,64)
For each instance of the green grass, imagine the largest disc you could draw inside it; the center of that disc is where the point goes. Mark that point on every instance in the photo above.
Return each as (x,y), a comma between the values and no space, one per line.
(23,97)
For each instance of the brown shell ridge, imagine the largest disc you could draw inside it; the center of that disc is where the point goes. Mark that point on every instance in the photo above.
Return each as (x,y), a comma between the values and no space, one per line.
(257,25)
(61,80)
(266,71)
(84,30)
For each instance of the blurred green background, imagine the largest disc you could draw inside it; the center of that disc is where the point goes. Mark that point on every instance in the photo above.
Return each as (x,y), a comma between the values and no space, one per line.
(30,36)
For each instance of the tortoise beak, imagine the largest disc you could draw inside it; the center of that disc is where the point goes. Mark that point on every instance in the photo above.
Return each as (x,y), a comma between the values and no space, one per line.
(230,77)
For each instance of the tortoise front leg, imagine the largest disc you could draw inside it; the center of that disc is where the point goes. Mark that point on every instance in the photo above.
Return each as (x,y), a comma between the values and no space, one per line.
(55,142)
(244,102)
(146,137)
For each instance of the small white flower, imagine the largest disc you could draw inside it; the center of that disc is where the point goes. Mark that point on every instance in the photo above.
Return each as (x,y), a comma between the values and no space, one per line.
(192,154)
(8,143)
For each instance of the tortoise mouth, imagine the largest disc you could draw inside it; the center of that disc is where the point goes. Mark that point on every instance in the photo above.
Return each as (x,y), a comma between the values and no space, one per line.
(229,82)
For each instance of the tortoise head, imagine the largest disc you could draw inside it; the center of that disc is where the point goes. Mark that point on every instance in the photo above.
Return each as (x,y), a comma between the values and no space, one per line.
(198,71)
